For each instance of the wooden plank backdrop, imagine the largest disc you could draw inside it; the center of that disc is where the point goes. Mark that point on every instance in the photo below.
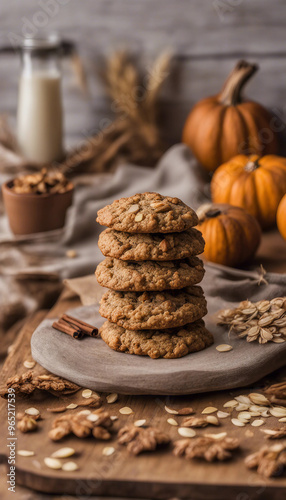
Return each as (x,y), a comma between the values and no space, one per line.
(206,38)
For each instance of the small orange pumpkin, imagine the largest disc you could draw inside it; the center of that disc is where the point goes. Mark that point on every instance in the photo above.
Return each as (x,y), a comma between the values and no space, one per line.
(281,217)
(225,125)
(232,235)
(253,183)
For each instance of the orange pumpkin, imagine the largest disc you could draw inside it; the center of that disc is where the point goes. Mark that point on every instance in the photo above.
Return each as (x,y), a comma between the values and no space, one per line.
(281,217)
(256,184)
(225,125)
(232,235)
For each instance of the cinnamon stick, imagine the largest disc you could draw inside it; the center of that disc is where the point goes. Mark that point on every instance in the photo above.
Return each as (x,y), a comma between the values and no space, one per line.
(86,328)
(68,329)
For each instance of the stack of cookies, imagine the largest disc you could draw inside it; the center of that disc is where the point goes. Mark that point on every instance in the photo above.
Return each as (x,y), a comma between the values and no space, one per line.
(152,306)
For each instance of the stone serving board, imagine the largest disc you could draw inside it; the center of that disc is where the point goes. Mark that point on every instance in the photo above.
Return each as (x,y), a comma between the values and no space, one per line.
(92,364)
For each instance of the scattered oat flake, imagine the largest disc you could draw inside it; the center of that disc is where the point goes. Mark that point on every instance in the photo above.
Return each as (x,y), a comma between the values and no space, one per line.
(52,463)
(86,393)
(140,423)
(70,466)
(113,417)
(209,409)
(237,422)
(108,450)
(138,217)
(283,419)
(32,411)
(171,410)
(224,348)
(220,435)
(186,432)
(25,453)
(257,422)
(230,404)
(72,406)
(126,410)
(29,364)
(172,421)
(222,414)
(63,453)
(111,398)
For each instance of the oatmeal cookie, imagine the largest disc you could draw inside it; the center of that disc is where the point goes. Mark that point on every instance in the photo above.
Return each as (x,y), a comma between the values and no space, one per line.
(169,343)
(154,310)
(149,275)
(148,213)
(155,246)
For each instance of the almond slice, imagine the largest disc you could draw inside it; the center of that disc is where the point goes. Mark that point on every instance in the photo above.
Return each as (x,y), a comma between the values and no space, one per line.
(212,419)
(270,432)
(32,411)
(278,411)
(224,348)
(257,422)
(258,399)
(70,466)
(237,422)
(230,404)
(138,217)
(71,406)
(222,414)
(93,417)
(186,432)
(126,410)
(243,399)
(108,450)
(172,421)
(25,453)
(52,463)
(133,209)
(86,393)
(220,435)
(140,423)
(29,364)
(170,410)
(63,453)
(111,398)
(209,409)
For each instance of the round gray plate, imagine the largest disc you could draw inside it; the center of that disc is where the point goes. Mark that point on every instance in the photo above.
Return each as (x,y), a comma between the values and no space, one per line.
(91,363)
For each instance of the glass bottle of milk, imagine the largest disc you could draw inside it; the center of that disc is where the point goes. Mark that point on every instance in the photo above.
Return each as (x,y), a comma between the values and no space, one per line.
(39,119)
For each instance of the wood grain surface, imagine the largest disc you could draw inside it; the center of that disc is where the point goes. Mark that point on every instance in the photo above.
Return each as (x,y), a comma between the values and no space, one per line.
(205,37)
(154,475)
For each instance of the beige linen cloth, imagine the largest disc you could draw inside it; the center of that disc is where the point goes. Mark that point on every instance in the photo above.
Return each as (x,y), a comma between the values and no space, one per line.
(32,269)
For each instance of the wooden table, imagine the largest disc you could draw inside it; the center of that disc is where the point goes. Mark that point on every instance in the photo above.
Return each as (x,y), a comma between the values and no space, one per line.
(153,475)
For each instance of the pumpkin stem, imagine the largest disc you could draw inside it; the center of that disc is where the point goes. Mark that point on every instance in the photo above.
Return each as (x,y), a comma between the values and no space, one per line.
(213,212)
(230,94)
(251,165)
